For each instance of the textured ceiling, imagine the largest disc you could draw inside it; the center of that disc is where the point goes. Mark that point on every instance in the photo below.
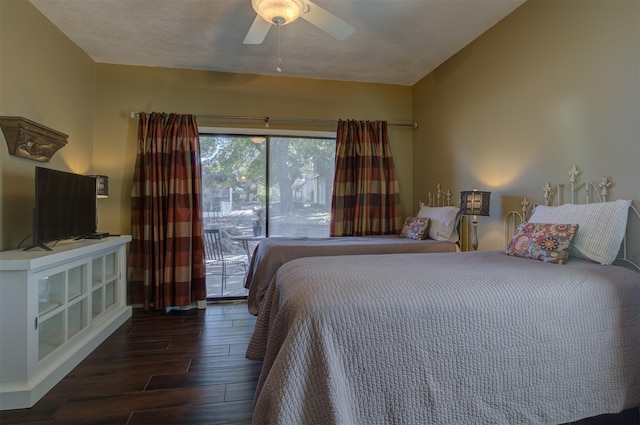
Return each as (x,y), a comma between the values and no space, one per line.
(395,42)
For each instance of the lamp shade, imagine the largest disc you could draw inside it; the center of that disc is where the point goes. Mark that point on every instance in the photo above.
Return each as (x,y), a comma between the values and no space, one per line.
(278,12)
(102,186)
(475,202)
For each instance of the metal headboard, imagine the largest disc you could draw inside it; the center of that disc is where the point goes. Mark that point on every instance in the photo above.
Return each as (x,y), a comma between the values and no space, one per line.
(624,256)
(439,198)
(574,190)
(514,218)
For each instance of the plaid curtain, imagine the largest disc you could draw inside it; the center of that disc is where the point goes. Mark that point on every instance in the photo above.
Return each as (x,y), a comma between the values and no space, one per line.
(166,260)
(366,198)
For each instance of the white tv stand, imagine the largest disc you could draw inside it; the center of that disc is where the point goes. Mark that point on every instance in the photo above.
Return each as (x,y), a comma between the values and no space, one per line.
(56,307)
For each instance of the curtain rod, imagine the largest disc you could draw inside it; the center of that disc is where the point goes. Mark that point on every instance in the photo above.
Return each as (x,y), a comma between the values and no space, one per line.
(270,119)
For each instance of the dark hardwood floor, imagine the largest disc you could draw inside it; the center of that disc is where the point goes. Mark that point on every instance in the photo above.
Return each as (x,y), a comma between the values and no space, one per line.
(182,367)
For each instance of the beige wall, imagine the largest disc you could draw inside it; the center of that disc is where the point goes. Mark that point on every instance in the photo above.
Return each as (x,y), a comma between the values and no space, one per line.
(554,84)
(47,79)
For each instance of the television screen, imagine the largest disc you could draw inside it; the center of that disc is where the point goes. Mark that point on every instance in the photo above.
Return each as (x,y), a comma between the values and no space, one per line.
(65,206)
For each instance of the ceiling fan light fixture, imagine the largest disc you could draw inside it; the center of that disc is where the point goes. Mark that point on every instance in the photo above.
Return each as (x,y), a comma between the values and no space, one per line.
(279,12)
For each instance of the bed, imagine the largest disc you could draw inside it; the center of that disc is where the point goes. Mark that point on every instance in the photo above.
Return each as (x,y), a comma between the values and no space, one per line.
(272,253)
(470,338)
(441,233)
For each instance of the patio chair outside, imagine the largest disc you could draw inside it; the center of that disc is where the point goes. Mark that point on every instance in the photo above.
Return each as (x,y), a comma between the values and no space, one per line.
(216,261)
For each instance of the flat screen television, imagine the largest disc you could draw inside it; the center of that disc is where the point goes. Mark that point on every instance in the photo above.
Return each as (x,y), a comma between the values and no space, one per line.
(65,206)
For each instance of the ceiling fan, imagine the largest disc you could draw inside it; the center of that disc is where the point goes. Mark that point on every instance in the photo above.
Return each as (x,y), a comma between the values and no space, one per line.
(283,12)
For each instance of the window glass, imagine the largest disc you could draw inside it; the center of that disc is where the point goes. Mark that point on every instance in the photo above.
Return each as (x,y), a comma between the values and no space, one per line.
(300,182)
(237,170)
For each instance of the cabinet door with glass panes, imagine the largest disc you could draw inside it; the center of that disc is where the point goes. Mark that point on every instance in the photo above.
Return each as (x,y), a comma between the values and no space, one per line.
(104,283)
(63,305)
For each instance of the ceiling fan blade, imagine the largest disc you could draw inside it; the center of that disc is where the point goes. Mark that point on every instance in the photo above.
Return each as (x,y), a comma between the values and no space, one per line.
(327,22)
(258,31)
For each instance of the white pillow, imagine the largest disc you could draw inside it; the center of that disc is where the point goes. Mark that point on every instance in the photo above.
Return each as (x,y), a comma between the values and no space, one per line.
(442,222)
(601,227)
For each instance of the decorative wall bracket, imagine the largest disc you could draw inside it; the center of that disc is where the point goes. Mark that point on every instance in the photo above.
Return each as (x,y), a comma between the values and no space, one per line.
(30,140)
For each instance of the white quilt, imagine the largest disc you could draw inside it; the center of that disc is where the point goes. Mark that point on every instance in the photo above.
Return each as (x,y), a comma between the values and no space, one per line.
(470,338)
(272,253)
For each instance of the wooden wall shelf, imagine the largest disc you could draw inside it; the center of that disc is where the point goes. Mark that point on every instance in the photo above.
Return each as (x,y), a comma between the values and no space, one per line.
(30,140)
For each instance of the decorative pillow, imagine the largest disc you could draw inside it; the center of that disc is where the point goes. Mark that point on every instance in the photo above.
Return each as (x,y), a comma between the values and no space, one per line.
(542,241)
(602,227)
(444,222)
(415,228)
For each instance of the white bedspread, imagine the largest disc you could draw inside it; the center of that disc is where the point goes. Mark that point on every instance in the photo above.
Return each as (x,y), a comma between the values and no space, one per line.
(272,253)
(471,338)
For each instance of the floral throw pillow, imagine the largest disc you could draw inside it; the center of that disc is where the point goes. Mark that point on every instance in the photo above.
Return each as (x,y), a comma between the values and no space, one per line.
(543,241)
(415,228)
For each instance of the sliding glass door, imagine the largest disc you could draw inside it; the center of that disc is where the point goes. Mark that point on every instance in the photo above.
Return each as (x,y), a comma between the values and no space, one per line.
(256,187)
(300,182)
(233,202)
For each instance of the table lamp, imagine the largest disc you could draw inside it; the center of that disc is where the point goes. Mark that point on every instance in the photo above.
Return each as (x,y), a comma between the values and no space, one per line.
(102,191)
(102,186)
(474,203)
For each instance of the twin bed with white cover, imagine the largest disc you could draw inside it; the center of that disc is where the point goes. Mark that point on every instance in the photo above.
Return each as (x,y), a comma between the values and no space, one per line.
(272,253)
(466,338)
(438,230)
